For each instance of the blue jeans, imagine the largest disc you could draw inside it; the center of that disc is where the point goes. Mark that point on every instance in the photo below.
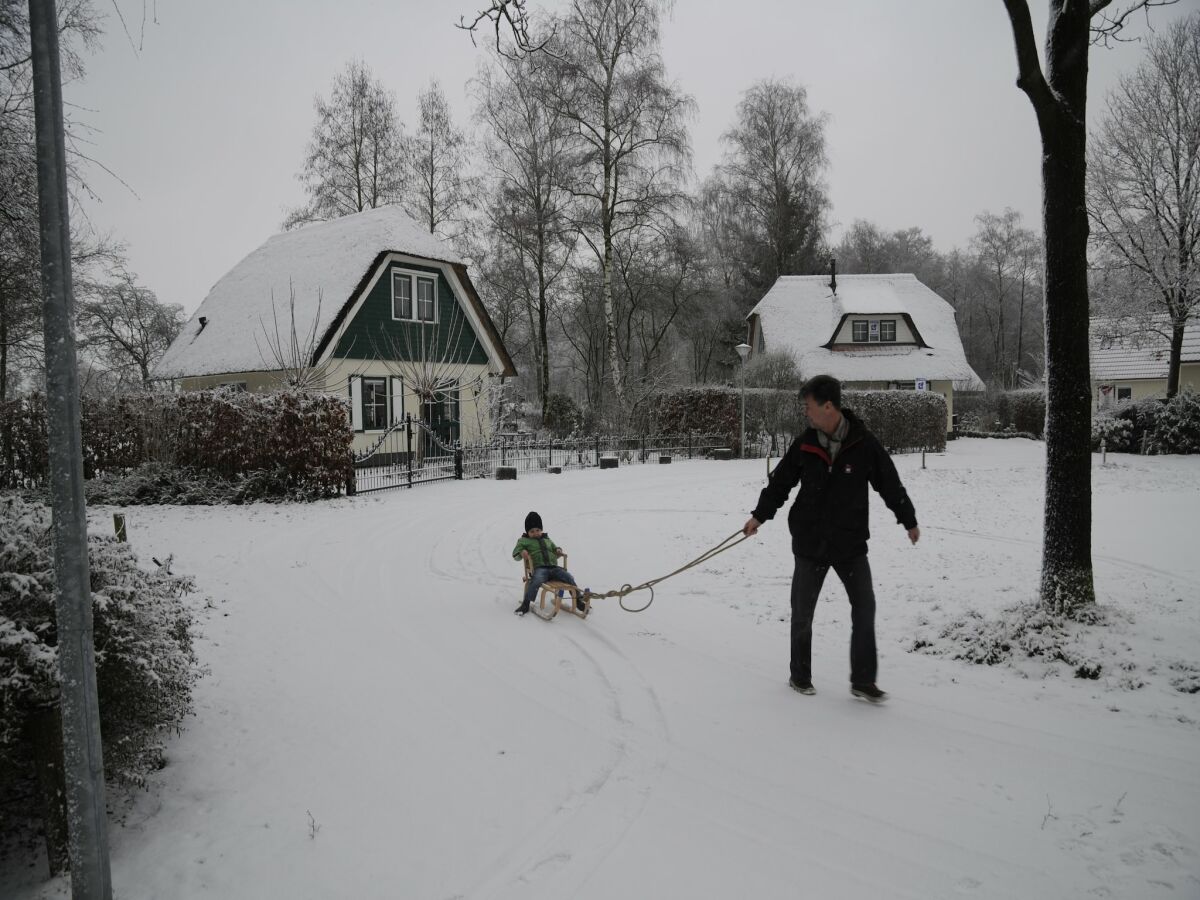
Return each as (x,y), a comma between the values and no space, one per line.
(540,576)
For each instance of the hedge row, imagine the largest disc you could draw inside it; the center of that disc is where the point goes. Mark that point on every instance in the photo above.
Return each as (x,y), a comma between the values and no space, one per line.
(902,420)
(994,411)
(302,439)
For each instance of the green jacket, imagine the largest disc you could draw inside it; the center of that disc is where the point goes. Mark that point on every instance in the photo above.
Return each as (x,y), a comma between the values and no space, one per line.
(541,550)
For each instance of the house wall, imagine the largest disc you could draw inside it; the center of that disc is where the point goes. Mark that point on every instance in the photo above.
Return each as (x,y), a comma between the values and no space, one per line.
(373,331)
(1146,388)
(845,334)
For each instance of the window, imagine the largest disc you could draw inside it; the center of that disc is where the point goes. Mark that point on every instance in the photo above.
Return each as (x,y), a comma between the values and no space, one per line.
(414,296)
(860,330)
(1124,392)
(401,296)
(887,329)
(375,404)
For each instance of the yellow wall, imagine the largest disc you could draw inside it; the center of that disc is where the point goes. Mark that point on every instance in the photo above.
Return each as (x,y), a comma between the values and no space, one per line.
(337,376)
(1147,388)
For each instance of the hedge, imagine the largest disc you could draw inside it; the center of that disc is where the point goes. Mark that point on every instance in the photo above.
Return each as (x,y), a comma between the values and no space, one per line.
(302,439)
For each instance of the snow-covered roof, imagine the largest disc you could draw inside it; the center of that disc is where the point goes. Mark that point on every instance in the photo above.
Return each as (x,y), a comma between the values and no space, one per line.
(800,313)
(1125,349)
(322,263)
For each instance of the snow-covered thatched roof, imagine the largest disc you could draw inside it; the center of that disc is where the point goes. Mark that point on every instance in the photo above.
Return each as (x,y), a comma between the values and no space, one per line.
(323,265)
(1123,348)
(801,314)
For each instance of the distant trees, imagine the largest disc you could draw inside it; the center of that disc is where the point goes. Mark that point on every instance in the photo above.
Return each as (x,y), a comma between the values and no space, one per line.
(355,158)
(1143,189)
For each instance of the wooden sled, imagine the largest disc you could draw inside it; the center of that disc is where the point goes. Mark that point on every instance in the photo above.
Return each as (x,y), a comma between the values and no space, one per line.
(561,596)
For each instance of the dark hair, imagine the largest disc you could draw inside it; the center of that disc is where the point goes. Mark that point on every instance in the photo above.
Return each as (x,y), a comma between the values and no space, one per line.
(824,389)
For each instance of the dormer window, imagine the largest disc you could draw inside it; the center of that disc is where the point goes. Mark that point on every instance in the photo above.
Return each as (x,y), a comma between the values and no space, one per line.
(873,331)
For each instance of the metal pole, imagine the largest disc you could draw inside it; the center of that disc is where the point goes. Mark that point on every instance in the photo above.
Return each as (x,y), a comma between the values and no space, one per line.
(742,445)
(83,759)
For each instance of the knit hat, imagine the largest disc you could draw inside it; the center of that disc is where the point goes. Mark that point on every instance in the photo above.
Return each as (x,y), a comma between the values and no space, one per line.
(533,520)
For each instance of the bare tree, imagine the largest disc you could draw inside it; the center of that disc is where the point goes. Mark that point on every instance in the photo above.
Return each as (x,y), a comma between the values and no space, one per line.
(773,172)
(1058,94)
(527,152)
(509,18)
(1143,187)
(354,159)
(632,144)
(128,329)
(291,348)
(1007,278)
(437,184)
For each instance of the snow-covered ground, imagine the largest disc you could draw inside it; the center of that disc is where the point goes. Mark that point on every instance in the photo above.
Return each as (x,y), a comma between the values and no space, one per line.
(367,672)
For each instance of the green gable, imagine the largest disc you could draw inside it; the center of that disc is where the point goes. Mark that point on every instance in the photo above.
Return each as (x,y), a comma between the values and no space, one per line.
(373,329)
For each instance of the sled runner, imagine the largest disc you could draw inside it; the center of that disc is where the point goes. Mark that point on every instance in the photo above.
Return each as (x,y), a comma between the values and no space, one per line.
(561,596)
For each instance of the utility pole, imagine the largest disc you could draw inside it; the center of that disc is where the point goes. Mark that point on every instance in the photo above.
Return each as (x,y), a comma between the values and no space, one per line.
(82,755)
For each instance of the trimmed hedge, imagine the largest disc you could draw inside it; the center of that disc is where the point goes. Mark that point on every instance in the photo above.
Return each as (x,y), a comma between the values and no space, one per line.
(1024,410)
(902,420)
(301,439)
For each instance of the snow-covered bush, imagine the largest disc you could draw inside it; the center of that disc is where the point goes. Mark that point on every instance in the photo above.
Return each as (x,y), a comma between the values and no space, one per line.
(1115,434)
(902,420)
(1141,416)
(1177,427)
(145,664)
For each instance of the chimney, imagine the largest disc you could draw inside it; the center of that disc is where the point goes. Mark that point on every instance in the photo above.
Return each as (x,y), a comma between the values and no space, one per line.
(833,274)
(203,322)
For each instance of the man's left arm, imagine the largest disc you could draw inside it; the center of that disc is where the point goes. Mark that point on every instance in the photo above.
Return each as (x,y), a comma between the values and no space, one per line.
(886,481)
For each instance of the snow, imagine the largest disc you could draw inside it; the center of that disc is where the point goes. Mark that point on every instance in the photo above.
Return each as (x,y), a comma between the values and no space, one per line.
(1121,349)
(322,263)
(366,669)
(800,314)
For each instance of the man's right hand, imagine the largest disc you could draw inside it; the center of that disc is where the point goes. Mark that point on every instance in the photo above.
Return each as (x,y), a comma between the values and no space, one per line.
(751,527)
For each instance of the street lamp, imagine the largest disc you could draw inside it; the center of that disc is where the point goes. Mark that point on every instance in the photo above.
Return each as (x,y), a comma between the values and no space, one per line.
(743,350)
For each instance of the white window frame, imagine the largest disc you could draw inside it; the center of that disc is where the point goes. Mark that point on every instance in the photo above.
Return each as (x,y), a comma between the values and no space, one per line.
(386,410)
(854,323)
(1127,388)
(414,280)
(887,340)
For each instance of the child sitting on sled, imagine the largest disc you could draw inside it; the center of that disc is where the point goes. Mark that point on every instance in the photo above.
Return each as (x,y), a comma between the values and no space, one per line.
(542,553)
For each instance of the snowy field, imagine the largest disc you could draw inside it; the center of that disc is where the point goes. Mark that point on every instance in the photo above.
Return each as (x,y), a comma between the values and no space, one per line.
(377,724)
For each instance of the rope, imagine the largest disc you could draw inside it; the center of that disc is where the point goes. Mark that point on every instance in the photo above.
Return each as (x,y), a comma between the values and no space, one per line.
(626,589)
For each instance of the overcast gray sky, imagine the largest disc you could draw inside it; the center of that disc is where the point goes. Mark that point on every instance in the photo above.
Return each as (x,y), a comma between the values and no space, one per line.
(207,123)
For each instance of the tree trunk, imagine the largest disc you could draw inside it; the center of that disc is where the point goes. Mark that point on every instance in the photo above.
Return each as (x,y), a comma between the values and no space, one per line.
(610,316)
(1176,356)
(543,340)
(43,730)
(1060,100)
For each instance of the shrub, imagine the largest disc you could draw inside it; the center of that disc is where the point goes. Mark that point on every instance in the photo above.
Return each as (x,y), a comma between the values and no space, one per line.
(1116,434)
(1023,410)
(563,415)
(1177,426)
(145,664)
(1141,416)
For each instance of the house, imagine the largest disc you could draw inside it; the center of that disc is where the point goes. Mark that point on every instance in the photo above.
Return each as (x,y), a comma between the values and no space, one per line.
(1129,360)
(872,332)
(369,306)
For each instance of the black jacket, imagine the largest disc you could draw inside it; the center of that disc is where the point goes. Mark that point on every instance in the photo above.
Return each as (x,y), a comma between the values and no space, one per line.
(829,520)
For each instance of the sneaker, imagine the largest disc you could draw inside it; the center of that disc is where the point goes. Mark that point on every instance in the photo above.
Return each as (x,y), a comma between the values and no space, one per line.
(521,610)
(802,687)
(580,605)
(868,692)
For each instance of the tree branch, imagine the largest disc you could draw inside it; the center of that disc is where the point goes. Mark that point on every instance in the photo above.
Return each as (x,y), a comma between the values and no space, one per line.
(1030,78)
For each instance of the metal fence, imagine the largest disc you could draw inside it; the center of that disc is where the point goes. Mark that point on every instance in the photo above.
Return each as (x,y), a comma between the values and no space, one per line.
(411,453)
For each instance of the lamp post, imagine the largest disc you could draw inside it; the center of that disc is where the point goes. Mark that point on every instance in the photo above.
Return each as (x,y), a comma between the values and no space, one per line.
(743,350)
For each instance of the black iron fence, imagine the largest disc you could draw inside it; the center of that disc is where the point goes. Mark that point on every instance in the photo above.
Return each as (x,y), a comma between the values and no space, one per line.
(409,453)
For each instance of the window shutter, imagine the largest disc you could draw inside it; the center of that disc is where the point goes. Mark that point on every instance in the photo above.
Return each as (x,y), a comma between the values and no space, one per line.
(356,410)
(397,399)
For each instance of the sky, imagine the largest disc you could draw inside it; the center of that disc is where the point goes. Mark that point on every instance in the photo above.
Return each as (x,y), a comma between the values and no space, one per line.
(200,115)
